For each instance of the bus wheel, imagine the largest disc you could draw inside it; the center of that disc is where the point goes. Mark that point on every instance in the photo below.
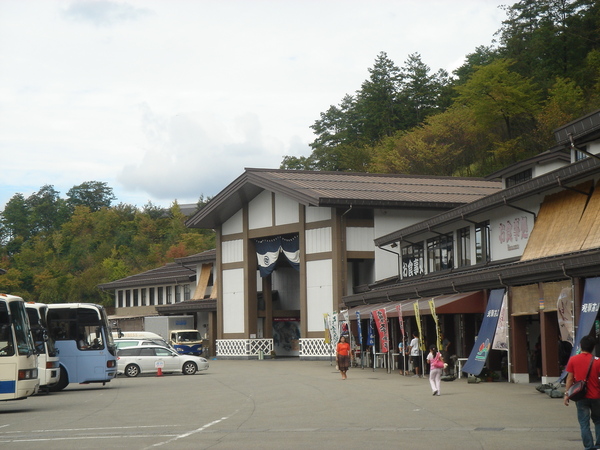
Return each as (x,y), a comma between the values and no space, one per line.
(63,381)
(132,370)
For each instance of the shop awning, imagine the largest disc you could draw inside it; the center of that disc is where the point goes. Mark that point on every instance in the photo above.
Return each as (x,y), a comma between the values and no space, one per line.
(459,303)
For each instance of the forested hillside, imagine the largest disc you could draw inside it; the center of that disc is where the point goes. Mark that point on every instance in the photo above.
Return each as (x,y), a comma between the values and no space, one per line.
(499,107)
(59,250)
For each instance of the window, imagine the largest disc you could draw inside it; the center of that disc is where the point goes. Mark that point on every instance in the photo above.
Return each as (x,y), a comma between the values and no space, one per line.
(151,296)
(177,293)
(439,253)
(143,302)
(136,296)
(464,246)
(186,292)
(160,290)
(412,261)
(128,298)
(482,242)
(120,303)
(518,178)
(169,294)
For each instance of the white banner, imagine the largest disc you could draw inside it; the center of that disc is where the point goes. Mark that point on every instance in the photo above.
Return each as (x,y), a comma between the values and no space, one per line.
(334,329)
(501,336)
(565,314)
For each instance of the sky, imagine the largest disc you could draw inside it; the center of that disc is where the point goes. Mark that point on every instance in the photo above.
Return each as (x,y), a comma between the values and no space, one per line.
(170,100)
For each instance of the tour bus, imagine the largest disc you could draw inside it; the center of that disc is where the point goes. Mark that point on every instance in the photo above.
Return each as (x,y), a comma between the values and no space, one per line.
(84,341)
(18,362)
(48,366)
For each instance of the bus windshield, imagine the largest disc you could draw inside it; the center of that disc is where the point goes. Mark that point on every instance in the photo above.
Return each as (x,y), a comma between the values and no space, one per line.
(39,330)
(7,347)
(22,332)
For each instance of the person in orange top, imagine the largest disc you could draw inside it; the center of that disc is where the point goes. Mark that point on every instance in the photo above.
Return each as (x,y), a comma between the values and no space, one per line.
(588,407)
(342,356)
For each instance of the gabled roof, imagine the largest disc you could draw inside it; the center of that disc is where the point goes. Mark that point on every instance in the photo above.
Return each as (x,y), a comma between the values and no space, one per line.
(171,273)
(342,189)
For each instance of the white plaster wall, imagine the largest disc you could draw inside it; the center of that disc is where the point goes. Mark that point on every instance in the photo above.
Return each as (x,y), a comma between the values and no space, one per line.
(360,239)
(316,213)
(319,293)
(233,225)
(318,240)
(509,231)
(541,169)
(286,210)
(233,301)
(260,213)
(232,251)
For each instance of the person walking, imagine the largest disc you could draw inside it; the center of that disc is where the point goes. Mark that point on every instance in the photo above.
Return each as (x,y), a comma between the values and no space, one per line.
(342,356)
(588,407)
(415,353)
(436,364)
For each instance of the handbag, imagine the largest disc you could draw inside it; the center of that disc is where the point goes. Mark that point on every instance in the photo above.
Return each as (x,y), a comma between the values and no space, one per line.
(577,390)
(437,362)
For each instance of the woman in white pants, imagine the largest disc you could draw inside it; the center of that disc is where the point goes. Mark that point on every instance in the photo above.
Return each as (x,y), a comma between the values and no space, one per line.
(436,365)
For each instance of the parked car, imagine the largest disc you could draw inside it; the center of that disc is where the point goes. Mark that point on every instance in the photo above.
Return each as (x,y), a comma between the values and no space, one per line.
(132,361)
(133,342)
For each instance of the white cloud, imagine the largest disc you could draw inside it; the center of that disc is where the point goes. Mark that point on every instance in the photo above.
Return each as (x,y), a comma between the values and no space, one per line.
(169,100)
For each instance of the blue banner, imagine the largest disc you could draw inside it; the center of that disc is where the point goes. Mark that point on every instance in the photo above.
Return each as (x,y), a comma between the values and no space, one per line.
(269,249)
(589,309)
(483,344)
(359,328)
(371,336)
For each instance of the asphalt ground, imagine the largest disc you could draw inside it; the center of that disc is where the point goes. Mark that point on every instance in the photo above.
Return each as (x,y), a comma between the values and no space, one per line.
(289,404)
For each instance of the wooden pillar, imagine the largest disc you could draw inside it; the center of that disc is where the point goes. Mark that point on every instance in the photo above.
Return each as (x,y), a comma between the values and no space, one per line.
(549,337)
(518,344)
(268,298)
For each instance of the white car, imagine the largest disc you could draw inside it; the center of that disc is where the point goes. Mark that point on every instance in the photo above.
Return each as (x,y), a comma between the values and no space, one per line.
(132,361)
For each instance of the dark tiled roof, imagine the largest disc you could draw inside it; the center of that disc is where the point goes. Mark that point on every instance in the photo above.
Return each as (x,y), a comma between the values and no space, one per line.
(170,273)
(582,130)
(207,256)
(331,189)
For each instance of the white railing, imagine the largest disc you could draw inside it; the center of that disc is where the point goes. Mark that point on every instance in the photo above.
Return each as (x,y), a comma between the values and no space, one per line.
(250,348)
(315,347)
(244,348)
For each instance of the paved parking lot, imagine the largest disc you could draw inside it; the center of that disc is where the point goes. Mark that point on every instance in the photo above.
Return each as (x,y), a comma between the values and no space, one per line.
(286,403)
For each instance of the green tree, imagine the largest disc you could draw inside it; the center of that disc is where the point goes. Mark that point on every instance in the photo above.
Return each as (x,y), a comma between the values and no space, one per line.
(501,99)
(47,211)
(93,194)
(422,93)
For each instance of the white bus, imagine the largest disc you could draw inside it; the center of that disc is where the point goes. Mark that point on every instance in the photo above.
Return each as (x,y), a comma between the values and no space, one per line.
(83,338)
(48,366)
(18,362)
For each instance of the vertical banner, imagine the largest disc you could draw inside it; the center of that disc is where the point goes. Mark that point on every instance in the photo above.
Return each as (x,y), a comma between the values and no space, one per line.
(359,328)
(334,329)
(589,309)
(438,341)
(418,319)
(382,327)
(501,336)
(371,335)
(564,308)
(326,325)
(400,321)
(483,344)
